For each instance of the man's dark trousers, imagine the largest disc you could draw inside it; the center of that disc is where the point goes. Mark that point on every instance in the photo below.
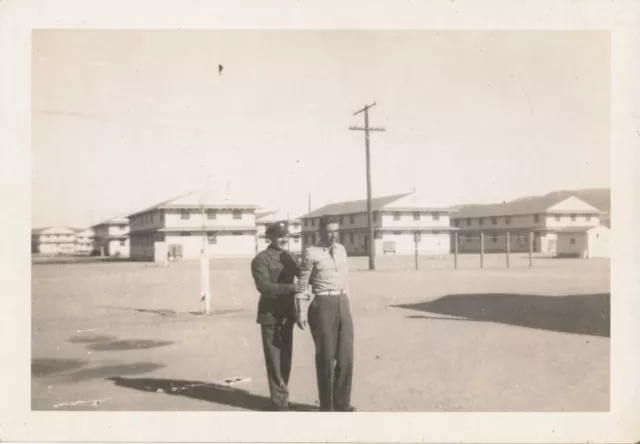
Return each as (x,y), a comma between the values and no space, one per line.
(331,326)
(277,343)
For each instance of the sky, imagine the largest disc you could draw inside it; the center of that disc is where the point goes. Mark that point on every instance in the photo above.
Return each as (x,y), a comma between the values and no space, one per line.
(125,119)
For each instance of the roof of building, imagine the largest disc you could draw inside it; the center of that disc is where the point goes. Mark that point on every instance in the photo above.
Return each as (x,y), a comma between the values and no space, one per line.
(118,220)
(57,230)
(268,216)
(197,199)
(398,202)
(530,205)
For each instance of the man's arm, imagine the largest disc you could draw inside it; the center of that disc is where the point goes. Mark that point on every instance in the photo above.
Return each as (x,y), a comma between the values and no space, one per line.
(260,272)
(302,296)
(305,269)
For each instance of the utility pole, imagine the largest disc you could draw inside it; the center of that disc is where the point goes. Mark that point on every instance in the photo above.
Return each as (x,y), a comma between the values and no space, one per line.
(371,243)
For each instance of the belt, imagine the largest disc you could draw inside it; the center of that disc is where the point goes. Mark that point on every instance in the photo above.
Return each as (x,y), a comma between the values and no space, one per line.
(330,293)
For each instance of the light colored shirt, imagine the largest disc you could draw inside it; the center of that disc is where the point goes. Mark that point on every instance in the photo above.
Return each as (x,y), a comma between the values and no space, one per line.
(322,272)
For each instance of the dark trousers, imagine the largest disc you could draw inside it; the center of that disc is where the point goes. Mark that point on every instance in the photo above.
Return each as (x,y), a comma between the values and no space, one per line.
(277,343)
(332,331)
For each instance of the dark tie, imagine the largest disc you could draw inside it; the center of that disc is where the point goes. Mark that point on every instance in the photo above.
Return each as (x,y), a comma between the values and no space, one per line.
(332,251)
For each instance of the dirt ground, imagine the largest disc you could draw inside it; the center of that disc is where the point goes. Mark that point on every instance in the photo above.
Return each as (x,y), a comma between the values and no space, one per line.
(127,336)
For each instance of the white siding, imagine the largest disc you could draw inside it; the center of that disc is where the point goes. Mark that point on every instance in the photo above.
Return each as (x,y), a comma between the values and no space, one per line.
(429,244)
(426,220)
(573,244)
(565,220)
(500,222)
(224,218)
(226,245)
(119,248)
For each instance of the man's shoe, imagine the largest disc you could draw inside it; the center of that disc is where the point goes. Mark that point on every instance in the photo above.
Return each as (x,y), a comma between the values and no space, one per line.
(348,408)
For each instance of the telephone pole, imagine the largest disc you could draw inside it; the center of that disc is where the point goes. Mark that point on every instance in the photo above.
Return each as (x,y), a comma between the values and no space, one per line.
(371,240)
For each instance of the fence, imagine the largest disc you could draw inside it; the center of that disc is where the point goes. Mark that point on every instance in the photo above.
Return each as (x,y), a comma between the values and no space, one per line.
(504,242)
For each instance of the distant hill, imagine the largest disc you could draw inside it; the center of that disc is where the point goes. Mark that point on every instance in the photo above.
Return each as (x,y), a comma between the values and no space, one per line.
(598,197)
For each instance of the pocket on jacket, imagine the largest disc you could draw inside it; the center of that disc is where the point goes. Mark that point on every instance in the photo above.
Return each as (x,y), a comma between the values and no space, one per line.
(274,273)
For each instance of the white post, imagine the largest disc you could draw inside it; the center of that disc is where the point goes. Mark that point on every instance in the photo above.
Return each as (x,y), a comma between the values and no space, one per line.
(205,291)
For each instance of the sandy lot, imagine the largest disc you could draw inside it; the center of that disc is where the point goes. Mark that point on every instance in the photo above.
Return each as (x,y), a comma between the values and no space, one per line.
(126,336)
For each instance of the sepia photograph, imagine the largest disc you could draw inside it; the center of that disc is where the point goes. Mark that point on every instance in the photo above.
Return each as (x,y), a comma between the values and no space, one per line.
(332,221)
(300,221)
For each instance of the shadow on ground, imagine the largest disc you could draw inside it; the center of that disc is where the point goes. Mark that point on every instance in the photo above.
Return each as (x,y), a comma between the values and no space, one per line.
(75,370)
(90,339)
(171,313)
(215,393)
(127,344)
(587,314)
(61,260)
(42,367)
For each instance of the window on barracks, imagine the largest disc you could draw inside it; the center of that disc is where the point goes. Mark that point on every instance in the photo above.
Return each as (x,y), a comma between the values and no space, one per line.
(352,238)
(352,219)
(184,214)
(469,222)
(573,217)
(494,238)
(416,215)
(507,220)
(494,221)
(573,241)
(536,218)
(558,218)
(396,216)
(237,233)
(211,214)
(481,221)
(185,233)
(237,214)
(296,240)
(436,216)
(588,218)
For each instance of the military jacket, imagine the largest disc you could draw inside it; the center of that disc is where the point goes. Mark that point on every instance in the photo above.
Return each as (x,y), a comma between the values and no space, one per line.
(274,272)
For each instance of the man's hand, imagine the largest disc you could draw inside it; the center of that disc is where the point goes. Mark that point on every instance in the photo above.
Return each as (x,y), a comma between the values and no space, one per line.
(301,321)
(299,287)
(301,307)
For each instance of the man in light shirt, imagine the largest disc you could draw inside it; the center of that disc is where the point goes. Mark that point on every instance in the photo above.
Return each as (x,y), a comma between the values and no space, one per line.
(324,270)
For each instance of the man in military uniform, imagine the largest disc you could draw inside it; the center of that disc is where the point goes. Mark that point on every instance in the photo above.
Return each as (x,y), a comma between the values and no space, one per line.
(324,268)
(274,271)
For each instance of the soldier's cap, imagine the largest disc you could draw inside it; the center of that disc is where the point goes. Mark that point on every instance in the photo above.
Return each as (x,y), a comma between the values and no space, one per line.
(278,229)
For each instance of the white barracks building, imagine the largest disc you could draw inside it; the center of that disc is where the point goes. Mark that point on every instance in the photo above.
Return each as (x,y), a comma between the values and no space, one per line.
(174,229)
(543,217)
(112,237)
(396,220)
